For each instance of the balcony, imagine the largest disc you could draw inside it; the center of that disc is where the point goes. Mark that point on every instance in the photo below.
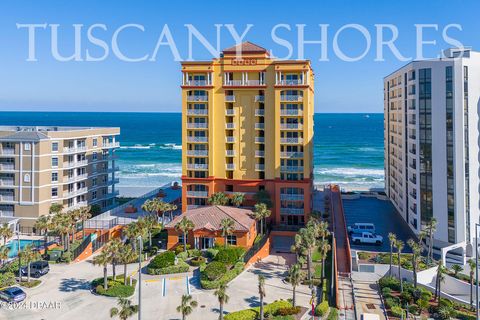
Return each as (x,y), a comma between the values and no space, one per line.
(230,112)
(77,178)
(74,149)
(294,211)
(113,181)
(260,126)
(291,155)
(291,82)
(230,139)
(230,153)
(244,83)
(291,169)
(291,98)
(291,197)
(79,204)
(193,125)
(291,112)
(197,83)
(259,139)
(260,98)
(197,112)
(230,98)
(111,145)
(229,125)
(112,194)
(74,164)
(291,126)
(195,98)
(259,167)
(230,166)
(7,198)
(7,167)
(197,139)
(260,112)
(259,153)
(7,151)
(7,182)
(197,194)
(412,136)
(114,169)
(197,153)
(6,213)
(291,140)
(413,151)
(197,166)
(74,193)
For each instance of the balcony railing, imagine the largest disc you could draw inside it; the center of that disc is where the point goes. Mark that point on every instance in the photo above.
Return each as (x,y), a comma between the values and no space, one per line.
(193,125)
(292,155)
(79,204)
(259,126)
(6,182)
(112,194)
(259,112)
(294,211)
(197,166)
(260,139)
(291,140)
(230,139)
(197,112)
(198,83)
(114,169)
(74,193)
(291,98)
(291,112)
(292,82)
(243,83)
(7,197)
(230,98)
(197,194)
(197,153)
(230,112)
(195,98)
(230,153)
(291,168)
(260,98)
(7,213)
(259,167)
(111,145)
(230,166)
(74,149)
(7,166)
(259,153)
(230,125)
(291,126)
(113,181)
(291,197)
(77,178)
(197,139)
(7,151)
(74,164)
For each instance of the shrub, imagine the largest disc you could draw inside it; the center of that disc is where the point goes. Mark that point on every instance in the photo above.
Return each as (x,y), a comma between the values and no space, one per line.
(269,309)
(153,250)
(32,284)
(445,303)
(215,270)
(182,255)
(163,260)
(115,288)
(197,261)
(67,257)
(7,279)
(227,277)
(462,315)
(194,253)
(413,309)
(230,255)
(180,267)
(321,309)
(398,312)
(389,282)
(386,292)
(406,296)
(426,295)
(248,314)
(287,311)
(363,255)
(333,315)
(210,253)
(179,248)
(392,302)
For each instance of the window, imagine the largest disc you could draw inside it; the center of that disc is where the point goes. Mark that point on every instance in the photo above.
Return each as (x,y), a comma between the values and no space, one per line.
(26,178)
(94,195)
(54,192)
(54,176)
(54,162)
(94,156)
(95,142)
(27,146)
(180,238)
(94,182)
(232,240)
(54,146)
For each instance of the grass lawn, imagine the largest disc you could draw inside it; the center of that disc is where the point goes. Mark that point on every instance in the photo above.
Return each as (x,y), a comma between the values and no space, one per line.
(32,284)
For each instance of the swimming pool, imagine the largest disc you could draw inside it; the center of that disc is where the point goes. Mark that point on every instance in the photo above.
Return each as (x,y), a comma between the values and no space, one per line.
(13,245)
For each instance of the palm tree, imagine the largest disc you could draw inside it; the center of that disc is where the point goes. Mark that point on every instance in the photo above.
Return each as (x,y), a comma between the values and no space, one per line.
(439,280)
(260,213)
(6,232)
(456,268)
(262,196)
(324,248)
(171,208)
(133,231)
(472,266)
(112,248)
(392,238)
(150,223)
(28,255)
(218,199)
(55,208)
(323,229)
(298,248)
(125,256)
(126,309)
(222,297)
(416,256)
(227,226)
(149,206)
(431,228)
(84,213)
(261,293)
(400,245)
(237,199)
(295,278)
(4,250)
(103,259)
(184,226)
(42,224)
(187,305)
(308,242)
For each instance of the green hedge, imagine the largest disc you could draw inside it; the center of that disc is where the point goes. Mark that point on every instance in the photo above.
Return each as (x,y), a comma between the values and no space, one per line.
(213,271)
(7,279)
(180,248)
(163,260)
(253,313)
(116,288)
(211,253)
(230,255)
(181,267)
(227,276)
(322,309)
(333,315)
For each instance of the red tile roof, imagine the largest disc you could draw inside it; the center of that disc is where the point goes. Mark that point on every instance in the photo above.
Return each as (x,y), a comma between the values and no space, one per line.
(245,47)
(210,218)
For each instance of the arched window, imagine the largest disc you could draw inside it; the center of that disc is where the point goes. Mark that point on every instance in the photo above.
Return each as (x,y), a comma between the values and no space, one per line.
(26,178)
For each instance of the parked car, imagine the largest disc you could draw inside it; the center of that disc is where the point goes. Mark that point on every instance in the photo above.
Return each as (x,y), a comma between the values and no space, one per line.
(367,238)
(37,269)
(361,227)
(13,294)
(370,316)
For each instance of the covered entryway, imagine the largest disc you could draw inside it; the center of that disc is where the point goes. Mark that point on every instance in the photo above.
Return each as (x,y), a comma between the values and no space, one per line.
(282,243)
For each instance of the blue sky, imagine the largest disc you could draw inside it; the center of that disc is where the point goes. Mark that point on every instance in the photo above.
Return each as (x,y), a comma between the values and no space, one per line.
(114,85)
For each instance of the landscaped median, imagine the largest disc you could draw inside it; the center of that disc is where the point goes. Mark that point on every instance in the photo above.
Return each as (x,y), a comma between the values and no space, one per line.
(167,263)
(278,310)
(115,288)
(226,264)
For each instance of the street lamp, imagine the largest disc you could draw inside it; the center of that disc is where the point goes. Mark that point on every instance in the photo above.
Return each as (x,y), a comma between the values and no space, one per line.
(476,267)
(140,249)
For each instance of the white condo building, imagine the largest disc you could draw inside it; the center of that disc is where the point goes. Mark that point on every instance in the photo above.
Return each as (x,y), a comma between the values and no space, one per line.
(432,152)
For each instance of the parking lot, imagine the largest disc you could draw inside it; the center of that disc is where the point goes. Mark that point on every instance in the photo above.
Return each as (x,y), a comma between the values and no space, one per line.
(383,215)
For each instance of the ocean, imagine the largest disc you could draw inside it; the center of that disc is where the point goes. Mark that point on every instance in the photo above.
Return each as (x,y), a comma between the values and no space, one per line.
(348,148)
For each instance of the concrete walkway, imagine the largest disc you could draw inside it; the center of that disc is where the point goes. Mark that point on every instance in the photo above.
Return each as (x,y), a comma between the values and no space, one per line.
(367,298)
(346,305)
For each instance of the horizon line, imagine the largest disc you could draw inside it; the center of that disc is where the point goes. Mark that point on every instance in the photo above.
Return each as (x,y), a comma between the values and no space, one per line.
(172,112)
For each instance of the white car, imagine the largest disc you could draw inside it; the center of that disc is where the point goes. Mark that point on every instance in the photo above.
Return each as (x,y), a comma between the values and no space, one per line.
(366,238)
(361,227)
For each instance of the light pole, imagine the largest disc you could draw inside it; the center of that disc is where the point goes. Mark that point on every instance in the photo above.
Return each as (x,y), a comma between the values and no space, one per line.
(476,267)
(140,249)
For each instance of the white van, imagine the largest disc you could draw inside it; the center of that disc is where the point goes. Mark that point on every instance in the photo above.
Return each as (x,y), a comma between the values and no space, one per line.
(361,227)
